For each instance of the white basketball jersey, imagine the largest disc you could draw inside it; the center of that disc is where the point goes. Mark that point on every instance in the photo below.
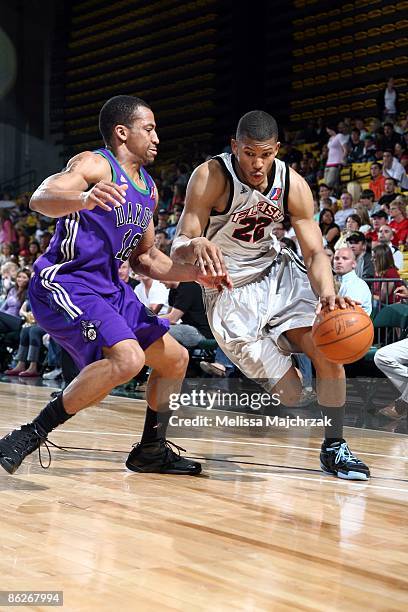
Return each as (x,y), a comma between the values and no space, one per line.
(243,231)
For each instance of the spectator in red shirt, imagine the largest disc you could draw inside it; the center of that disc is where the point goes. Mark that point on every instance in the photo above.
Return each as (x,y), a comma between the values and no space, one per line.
(384,267)
(399,222)
(379,219)
(377,183)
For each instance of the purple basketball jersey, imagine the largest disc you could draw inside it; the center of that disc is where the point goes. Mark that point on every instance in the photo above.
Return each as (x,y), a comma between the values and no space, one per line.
(89,246)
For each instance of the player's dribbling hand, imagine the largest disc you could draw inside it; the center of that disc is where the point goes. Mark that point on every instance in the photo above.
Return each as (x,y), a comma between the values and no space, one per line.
(335,301)
(105,195)
(215,282)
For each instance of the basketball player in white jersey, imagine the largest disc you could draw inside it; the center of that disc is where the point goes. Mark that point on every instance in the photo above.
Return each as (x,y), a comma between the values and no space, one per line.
(232,202)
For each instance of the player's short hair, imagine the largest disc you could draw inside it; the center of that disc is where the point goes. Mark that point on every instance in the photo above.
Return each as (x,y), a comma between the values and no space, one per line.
(119,110)
(257,125)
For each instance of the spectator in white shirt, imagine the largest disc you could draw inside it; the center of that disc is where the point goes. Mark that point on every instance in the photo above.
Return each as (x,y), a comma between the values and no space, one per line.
(344,265)
(341,215)
(385,236)
(393,169)
(153,294)
(337,154)
(324,196)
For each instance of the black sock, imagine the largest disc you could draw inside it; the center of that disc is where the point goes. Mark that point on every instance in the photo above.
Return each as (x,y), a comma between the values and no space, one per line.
(52,415)
(334,431)
(155,425)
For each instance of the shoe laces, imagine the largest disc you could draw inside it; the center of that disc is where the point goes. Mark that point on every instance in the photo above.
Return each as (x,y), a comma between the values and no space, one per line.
(38,433)
(46,442)
(344,454)
(168,445)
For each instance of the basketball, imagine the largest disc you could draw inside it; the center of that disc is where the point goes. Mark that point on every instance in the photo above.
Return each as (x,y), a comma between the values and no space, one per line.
(343,335)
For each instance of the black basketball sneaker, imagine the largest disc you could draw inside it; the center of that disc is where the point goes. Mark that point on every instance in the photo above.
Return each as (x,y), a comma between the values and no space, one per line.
(337,459)
(15,447)
(159,457)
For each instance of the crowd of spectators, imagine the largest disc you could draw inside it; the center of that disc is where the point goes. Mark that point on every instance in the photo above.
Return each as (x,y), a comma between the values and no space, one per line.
(364,227)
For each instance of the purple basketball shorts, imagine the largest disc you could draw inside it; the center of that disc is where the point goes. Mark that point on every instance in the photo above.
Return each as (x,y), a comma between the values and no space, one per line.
(83,322)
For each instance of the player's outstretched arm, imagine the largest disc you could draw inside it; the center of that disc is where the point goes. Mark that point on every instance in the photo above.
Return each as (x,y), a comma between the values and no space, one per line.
(67,191)
(148,260)
(301,210)
(206,190)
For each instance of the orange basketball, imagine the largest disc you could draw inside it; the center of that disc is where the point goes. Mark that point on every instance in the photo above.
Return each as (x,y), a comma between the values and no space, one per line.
(343,335)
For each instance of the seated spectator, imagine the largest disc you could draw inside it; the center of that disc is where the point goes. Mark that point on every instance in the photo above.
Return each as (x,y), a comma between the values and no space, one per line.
(353,224)
(124,275)
(365,220)
(385,236)
(389,194)
(378,219)
(398,151)
(8,275)
(6,252)
(161,241)
(7,233)
(344,265)
(384,267)
(153,294)
(162,220)
(328,204)
(399,222)
(186,305)
(369,149)
(10,318)
(29,349)
(367,199)
(390,138)
(392,360)
(359,124)
(346,210)
(22,246)
(377,183)
(393,169)
(355,147)
(34,252)
(45,241)
(358,244)
(330,230)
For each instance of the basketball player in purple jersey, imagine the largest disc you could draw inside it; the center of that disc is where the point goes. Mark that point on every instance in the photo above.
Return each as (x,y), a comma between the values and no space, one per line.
(104,202)
(232,203)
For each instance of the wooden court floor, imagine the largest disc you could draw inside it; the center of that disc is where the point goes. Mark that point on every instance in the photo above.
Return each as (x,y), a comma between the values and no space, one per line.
(261,529)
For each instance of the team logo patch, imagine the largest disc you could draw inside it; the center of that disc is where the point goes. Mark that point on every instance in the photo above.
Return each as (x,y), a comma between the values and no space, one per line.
(275,193)
(90,330)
